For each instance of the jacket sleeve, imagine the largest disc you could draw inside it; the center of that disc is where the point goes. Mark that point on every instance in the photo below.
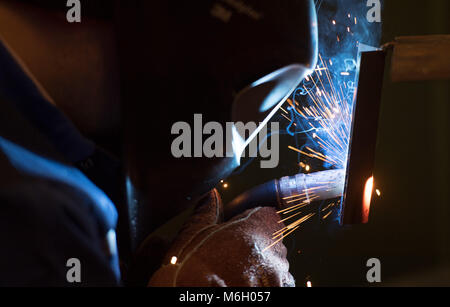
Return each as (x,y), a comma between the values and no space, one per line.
(42,226)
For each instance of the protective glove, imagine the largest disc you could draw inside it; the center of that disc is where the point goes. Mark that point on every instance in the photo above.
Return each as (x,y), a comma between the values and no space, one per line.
(231,254)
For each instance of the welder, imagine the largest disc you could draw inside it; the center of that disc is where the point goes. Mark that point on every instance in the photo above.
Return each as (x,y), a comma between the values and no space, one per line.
(59,191)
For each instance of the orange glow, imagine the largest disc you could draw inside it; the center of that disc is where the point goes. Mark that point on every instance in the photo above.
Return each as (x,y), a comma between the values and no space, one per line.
(368,191)
(173,260)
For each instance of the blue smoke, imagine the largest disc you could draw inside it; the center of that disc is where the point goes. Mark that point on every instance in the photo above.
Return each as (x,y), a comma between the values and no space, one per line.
(343,28)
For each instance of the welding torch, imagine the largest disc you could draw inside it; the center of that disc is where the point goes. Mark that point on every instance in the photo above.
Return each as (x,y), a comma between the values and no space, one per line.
(281,193)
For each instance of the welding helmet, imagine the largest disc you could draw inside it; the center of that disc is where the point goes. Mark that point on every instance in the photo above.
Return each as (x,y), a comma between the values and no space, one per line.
(229,60)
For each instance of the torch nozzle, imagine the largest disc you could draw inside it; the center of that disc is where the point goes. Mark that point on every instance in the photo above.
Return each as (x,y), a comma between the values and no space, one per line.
(311,187)
(281,193)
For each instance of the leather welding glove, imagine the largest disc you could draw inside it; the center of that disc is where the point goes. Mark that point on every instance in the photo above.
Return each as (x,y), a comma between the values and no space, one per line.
(230,254)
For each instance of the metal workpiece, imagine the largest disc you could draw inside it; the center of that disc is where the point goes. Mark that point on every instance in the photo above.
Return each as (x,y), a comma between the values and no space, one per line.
(420,58)
(359,182)
(311,187)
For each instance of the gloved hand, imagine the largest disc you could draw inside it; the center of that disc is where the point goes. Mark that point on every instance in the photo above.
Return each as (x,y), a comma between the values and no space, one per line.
(232,254)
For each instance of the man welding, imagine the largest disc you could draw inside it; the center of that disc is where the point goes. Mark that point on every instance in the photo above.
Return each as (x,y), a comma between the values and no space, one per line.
(59,193)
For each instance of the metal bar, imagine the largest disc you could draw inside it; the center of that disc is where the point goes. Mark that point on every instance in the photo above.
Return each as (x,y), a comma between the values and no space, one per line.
(419,58)
(359,178)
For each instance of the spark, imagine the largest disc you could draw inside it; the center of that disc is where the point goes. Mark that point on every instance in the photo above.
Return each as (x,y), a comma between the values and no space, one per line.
(327,207)
(301,205)
(290,217)
(283,233)
(282,109)
(294,196)
(327,215)
(173,260)
(281,239)
(378,192)
(304,199)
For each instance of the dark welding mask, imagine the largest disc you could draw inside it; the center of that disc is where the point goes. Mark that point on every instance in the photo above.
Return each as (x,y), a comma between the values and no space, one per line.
(228,60)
